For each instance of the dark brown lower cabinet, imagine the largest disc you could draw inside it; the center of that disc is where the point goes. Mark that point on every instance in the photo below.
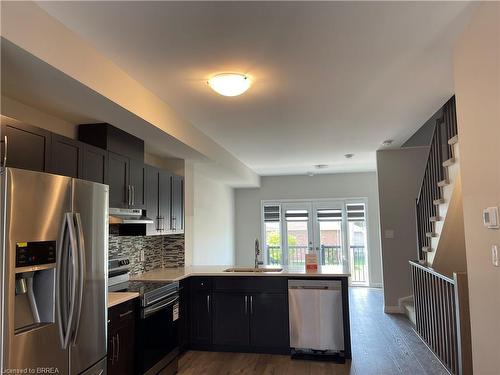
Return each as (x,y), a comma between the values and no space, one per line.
(230,319)
(269,320)
(121,338)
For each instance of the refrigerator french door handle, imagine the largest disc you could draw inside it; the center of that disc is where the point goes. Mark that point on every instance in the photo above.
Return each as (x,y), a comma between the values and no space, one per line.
(60,245)
(65,332)
(5,151)
(75,266)
(81,274)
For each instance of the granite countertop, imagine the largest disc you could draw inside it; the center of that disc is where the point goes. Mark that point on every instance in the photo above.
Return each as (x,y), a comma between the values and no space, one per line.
(115,298)
(179,273)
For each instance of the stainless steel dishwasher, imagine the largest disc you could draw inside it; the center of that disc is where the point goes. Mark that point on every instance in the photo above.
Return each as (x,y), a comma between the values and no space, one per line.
(316,318)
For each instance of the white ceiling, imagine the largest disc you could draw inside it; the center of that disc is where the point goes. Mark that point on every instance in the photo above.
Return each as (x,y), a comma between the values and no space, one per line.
(330,78)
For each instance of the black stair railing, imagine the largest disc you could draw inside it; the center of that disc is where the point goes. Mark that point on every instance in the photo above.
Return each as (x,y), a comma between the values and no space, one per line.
(440,151)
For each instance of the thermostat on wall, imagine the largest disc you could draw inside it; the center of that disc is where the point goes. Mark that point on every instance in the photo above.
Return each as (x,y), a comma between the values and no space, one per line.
(490,217)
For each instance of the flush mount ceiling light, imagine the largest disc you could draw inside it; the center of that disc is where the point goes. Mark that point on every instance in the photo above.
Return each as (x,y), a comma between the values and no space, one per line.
(387,142)
(348,156)
(229,84)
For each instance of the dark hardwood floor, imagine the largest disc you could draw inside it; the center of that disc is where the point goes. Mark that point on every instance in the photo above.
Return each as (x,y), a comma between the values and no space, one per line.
(382,344)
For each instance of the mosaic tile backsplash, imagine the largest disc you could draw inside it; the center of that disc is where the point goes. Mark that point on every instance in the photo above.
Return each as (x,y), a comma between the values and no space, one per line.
(159,251)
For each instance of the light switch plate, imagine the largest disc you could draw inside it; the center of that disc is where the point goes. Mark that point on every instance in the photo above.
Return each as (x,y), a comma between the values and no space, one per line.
(389,233)
(494,255)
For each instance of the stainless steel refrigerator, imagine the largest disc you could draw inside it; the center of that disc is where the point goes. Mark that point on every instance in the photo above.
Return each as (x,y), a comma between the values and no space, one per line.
(54,233)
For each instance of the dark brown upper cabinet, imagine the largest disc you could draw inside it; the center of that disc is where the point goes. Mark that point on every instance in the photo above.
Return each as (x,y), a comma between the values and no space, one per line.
(126,179)
(118,177)
(165,200)
(95,164)
(112,139)
(177,204)
(25,146)
(137,171)
(152,195)
(66,156)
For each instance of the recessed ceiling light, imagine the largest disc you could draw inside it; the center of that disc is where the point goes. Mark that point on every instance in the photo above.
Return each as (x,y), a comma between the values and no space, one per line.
(387,142)
(229,84)
(348,156)
(321,166)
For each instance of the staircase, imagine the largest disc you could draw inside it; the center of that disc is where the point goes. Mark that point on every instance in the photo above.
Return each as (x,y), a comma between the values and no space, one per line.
(438,307)
(441,178)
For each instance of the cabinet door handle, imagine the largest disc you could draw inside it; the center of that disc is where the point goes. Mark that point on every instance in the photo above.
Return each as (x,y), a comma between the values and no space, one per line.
(122,315)
(5,151)
(246,305)
(251,305)
(113,354)
(208,303)
(173,226)
(128,195)
(117,347)
(133,195)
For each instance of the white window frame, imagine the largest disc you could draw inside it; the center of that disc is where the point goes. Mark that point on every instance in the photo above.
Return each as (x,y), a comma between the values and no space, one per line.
(313,227)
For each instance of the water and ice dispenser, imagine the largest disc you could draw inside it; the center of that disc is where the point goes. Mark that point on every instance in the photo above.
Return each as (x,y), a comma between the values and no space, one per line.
(34,285)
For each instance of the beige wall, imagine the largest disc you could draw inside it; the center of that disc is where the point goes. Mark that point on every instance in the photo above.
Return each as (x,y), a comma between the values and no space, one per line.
(477,89)
(341,185)
(400,174)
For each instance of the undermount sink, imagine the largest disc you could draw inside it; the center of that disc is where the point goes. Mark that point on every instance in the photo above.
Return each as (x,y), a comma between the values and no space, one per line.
(250,269)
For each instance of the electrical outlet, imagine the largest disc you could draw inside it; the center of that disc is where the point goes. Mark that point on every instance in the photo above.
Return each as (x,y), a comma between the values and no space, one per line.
(494,255)
(142,256)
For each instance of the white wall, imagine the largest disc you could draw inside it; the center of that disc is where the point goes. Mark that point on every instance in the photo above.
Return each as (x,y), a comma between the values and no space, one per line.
(477,90)
(30,115)
(342,185)
(400,174)
(209,219)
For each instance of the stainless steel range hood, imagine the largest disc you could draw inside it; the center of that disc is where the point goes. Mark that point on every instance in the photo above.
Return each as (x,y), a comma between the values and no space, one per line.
(128,216)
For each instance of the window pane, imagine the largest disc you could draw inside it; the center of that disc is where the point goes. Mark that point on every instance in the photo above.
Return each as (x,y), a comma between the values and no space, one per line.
(330,233)
(357,241)
(273,243)
(298,241)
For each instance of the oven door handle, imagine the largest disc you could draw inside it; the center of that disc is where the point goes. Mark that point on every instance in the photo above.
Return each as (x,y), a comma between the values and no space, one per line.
(148,311)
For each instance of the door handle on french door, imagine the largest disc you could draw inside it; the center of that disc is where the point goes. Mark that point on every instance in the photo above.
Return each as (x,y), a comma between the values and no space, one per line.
(81,274)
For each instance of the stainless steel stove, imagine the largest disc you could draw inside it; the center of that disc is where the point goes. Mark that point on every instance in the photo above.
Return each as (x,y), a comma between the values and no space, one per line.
(157,336)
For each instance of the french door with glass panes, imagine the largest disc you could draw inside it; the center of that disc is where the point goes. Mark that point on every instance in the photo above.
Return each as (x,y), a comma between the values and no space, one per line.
(335,229)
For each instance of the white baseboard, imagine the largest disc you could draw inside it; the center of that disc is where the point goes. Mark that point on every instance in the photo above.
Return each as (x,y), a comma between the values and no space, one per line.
(393,310)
